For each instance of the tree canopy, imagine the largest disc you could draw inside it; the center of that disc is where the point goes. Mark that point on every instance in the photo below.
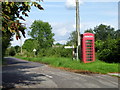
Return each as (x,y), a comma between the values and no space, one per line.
(72,38)
(102,32)
(42,32)
(12,13)
(30,44)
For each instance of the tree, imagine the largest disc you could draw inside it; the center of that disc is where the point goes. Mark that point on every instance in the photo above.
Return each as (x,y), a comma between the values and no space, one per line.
(41,31)
(72,38)
(17,49)
(11,15)
(109,50)
(102,32)
(58,44)
(30,44)
(10,51)
(117,34)
(89,31)
(12,12)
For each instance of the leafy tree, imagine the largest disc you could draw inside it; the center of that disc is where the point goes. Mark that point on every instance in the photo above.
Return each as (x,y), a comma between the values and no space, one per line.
(30,44)
(11,15)
(17,49)
(102,32)
(12,12)
(117,34)
(10,51)
(89,31)
(109,51)
(58,44)
(72,38)
(55,52)
(41,31)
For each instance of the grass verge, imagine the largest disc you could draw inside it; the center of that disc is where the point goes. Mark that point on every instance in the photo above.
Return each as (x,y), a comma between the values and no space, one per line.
(95,67)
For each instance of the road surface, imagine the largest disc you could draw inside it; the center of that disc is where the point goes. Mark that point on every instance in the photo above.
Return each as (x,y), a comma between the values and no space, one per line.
(24,74)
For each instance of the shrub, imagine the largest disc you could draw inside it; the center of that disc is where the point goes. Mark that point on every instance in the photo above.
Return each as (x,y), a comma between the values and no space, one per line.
(55,52)
(108,50)
(10,51)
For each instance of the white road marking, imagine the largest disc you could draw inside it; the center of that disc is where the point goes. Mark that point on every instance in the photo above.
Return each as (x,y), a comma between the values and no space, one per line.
(48,76)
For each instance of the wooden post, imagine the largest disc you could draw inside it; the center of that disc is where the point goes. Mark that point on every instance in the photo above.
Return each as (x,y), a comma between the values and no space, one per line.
(77,29)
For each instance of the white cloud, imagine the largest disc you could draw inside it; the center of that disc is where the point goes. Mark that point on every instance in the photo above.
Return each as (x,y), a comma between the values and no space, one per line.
(28,22)
(88,25)
(61,42)
(18,42)
(62,32)
(62,29)
(70,4)
(15,42)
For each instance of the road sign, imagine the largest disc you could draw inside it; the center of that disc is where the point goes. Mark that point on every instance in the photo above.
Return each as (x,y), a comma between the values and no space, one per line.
(69,47)
(34,50)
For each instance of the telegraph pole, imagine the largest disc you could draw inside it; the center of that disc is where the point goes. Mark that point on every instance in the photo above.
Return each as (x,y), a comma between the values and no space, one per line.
(77,28)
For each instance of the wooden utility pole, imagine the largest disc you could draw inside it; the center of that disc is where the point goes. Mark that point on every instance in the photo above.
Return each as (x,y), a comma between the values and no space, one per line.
(119,15)
(77,29)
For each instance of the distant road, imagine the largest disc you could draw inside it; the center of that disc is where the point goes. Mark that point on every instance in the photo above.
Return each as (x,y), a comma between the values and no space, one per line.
(24,74)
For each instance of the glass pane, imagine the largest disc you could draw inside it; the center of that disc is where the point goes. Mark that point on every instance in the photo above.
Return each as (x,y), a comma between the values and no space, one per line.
(89,49)
(89,57)
(89,60)
(88,40)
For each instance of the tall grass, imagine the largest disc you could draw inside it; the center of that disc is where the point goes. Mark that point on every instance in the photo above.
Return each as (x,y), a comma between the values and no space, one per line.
(97,66)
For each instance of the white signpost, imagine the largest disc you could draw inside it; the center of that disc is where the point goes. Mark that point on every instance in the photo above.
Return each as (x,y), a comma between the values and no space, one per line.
(69,47)
(34,50)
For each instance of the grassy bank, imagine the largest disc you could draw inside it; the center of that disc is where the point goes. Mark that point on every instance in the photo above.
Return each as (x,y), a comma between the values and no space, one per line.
(97,66)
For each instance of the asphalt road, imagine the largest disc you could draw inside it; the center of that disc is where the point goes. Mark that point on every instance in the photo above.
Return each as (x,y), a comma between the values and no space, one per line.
(24,74)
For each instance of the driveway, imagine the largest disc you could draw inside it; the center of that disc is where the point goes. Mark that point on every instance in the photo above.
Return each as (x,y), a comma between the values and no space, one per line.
(24,74)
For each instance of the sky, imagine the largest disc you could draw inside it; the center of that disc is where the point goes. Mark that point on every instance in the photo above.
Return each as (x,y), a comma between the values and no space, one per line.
(60,14)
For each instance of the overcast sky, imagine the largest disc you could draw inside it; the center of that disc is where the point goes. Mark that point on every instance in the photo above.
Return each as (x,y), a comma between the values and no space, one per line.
(61,16)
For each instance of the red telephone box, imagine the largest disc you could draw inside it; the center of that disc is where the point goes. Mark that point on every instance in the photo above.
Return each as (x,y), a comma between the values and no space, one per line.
(88,48)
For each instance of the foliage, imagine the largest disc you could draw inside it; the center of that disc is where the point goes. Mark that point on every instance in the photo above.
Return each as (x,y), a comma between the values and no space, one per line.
(55,52)
(10,51)
(57,44)
(25,53)
(12,13)
(72,38)
(30,44)
(107,43)
(42,33)
(97,67)
(109,50)
(117,34)
(17,49)
(89,31)
(102,32)
(6,38)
